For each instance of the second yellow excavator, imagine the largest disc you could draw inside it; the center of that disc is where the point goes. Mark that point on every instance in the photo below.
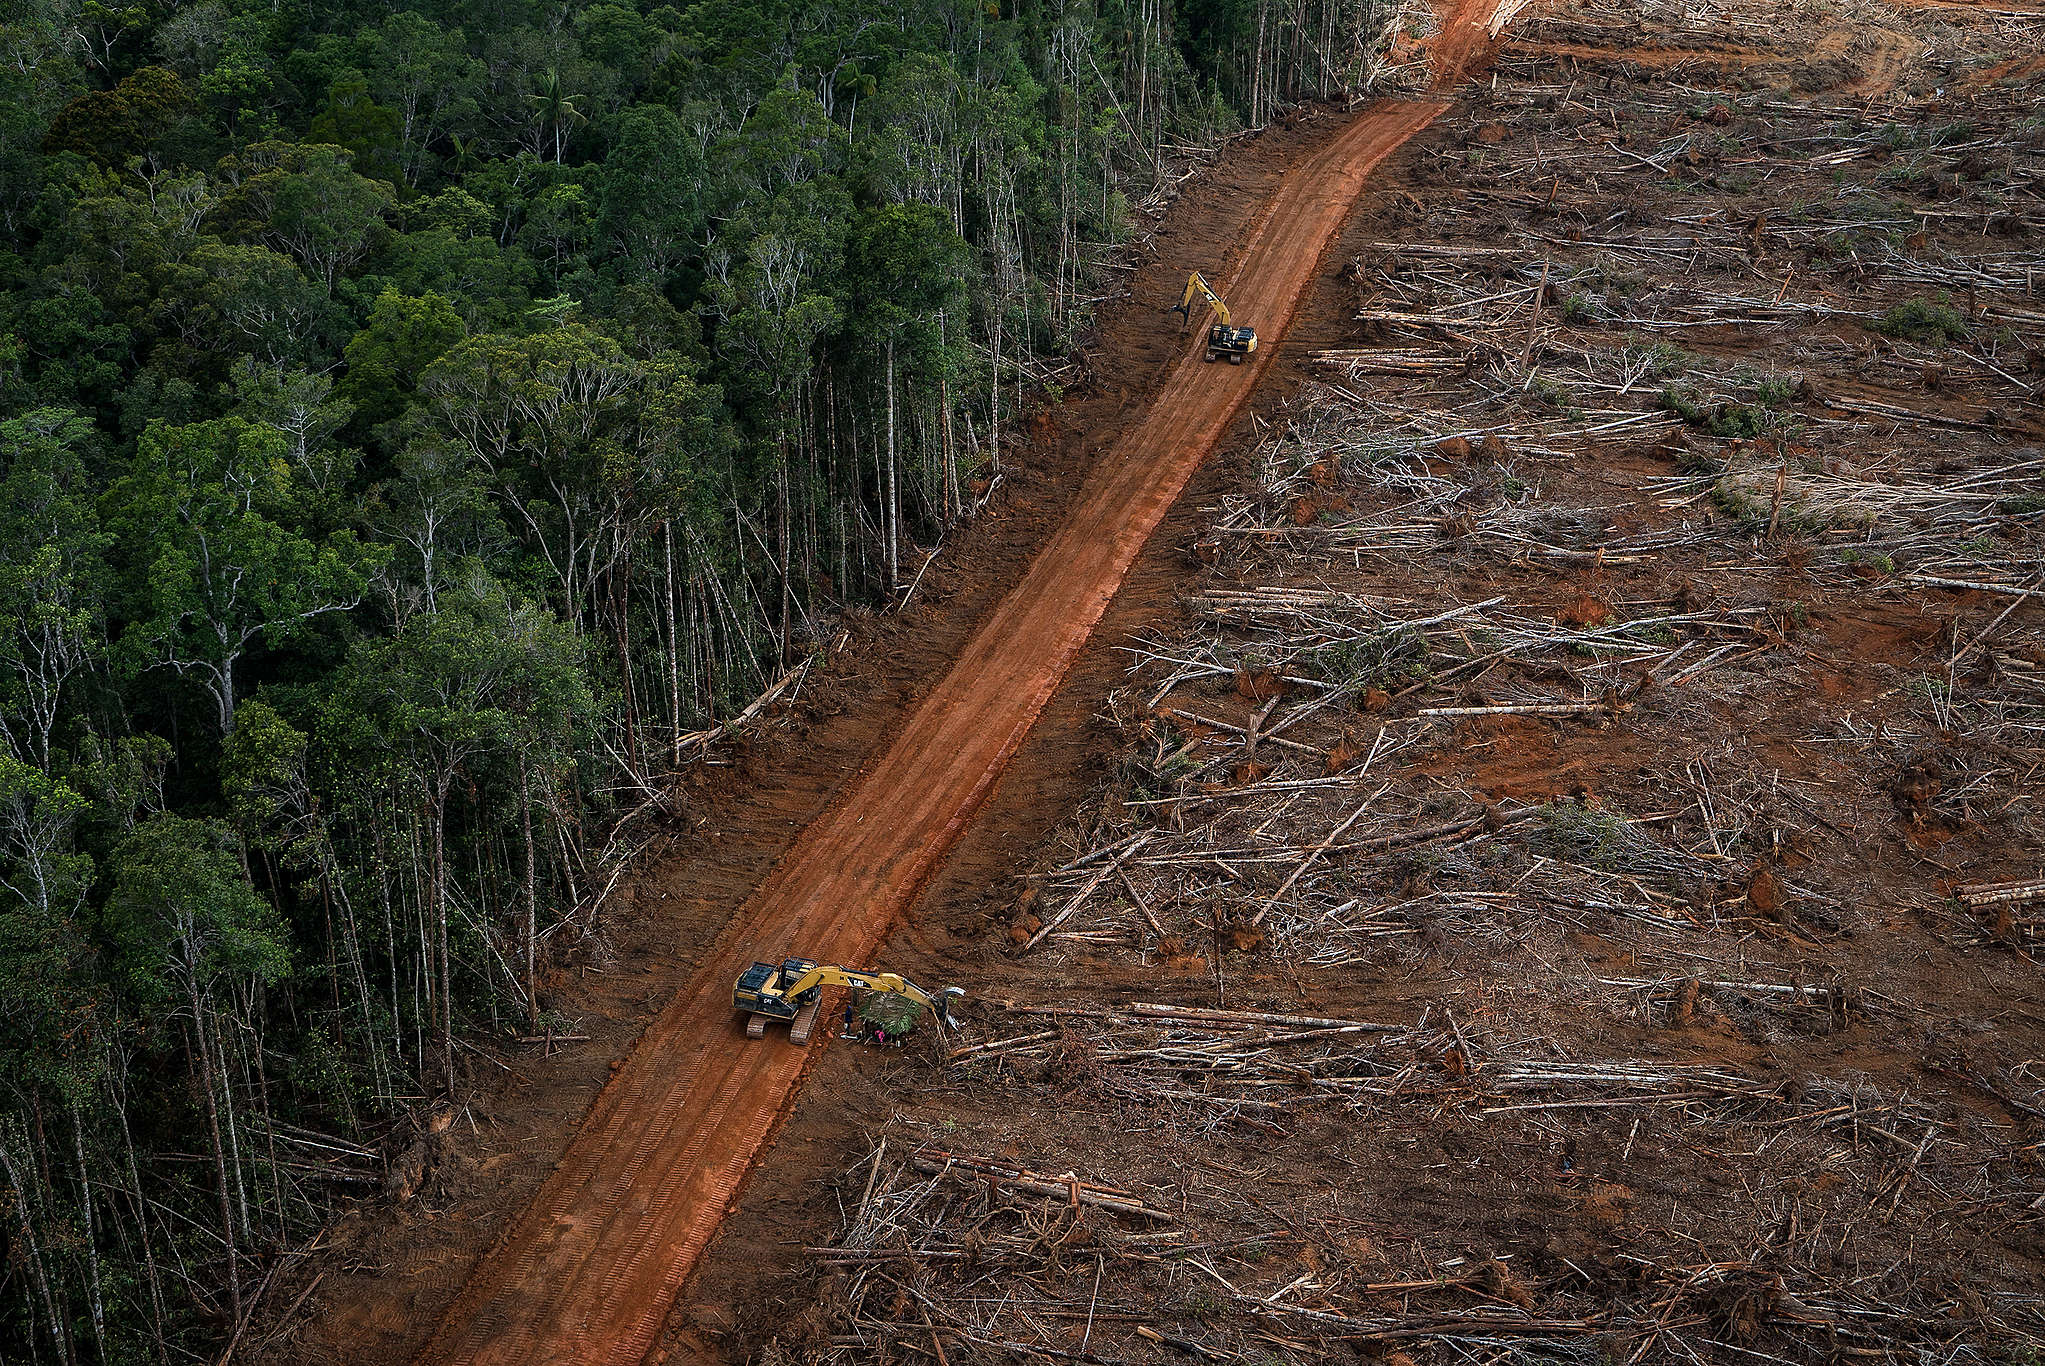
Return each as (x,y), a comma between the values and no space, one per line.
(1225,338)
(793,989)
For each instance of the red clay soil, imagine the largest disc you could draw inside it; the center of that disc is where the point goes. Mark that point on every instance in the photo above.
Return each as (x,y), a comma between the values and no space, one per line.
(1463,46)
(587,1273)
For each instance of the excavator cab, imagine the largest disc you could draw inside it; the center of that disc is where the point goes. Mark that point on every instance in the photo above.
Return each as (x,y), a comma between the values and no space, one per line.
(1233,342)
(762,989)
(1226,337)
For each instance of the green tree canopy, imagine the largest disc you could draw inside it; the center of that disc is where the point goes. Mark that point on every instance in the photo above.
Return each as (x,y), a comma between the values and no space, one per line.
(214,565)
(53,576)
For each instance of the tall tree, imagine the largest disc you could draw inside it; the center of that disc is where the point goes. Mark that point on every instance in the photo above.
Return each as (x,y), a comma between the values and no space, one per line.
(582,441)
(651,192)
(214,565)
(485,678)
(52,576)
(192,935)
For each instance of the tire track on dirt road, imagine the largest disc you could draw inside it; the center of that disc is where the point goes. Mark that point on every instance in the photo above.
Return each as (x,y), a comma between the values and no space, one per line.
(588,1270)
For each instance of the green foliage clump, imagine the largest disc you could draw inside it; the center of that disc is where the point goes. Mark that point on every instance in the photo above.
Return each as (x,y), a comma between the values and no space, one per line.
(1728,421)
(1924,320)
(1774,392)
(892,1011)
(1875,560)
(1578,833)
(1380,659)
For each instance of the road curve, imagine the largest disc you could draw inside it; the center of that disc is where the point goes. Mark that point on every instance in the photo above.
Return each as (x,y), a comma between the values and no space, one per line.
(587,1272)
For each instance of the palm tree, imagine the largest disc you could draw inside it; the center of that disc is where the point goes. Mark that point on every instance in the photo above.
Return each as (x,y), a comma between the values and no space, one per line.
(558,110)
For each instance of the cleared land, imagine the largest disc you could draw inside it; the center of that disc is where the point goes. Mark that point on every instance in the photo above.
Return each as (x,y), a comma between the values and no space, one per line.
(1565,885)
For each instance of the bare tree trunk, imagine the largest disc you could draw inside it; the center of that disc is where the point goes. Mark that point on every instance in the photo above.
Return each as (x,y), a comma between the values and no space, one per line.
(532,890)
(233,1131)
(674,659)
(1257,71)
(390,933)
(994,389)
(37,1272)
(620,609)
(141,1211)
(332,888)
(781,550)
(440,930)
(97,1294)
(891,534)
(209,1085)
(951,478)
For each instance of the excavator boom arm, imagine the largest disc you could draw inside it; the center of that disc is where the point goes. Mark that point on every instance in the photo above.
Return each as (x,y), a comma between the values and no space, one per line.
(824,974)
(1196,283)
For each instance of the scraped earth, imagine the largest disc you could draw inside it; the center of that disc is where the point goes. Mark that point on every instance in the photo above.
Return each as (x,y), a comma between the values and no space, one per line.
(1561,880)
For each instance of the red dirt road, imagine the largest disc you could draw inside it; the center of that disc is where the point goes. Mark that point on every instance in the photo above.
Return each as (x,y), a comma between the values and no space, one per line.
(586,1274)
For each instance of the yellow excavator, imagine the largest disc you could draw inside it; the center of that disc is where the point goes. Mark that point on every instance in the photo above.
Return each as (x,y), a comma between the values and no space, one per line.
(1224,338)
(793,989)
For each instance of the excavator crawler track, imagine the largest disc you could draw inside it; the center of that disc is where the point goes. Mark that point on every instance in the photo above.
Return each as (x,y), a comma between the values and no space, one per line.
(805,1020)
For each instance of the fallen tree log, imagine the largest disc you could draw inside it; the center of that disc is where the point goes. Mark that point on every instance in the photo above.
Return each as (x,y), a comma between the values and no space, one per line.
(1068,1186)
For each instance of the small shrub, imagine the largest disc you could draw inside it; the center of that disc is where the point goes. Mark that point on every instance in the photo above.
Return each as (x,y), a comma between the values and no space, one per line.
(1621,282)
(1384,659)
(1727,421)
(1575,832)
(1880,563)
(1669,359)
(1924,320)
(1684,405)
(1700,462)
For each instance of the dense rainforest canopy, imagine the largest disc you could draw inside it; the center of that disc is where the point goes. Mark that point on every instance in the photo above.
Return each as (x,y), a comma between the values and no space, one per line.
(416,420)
